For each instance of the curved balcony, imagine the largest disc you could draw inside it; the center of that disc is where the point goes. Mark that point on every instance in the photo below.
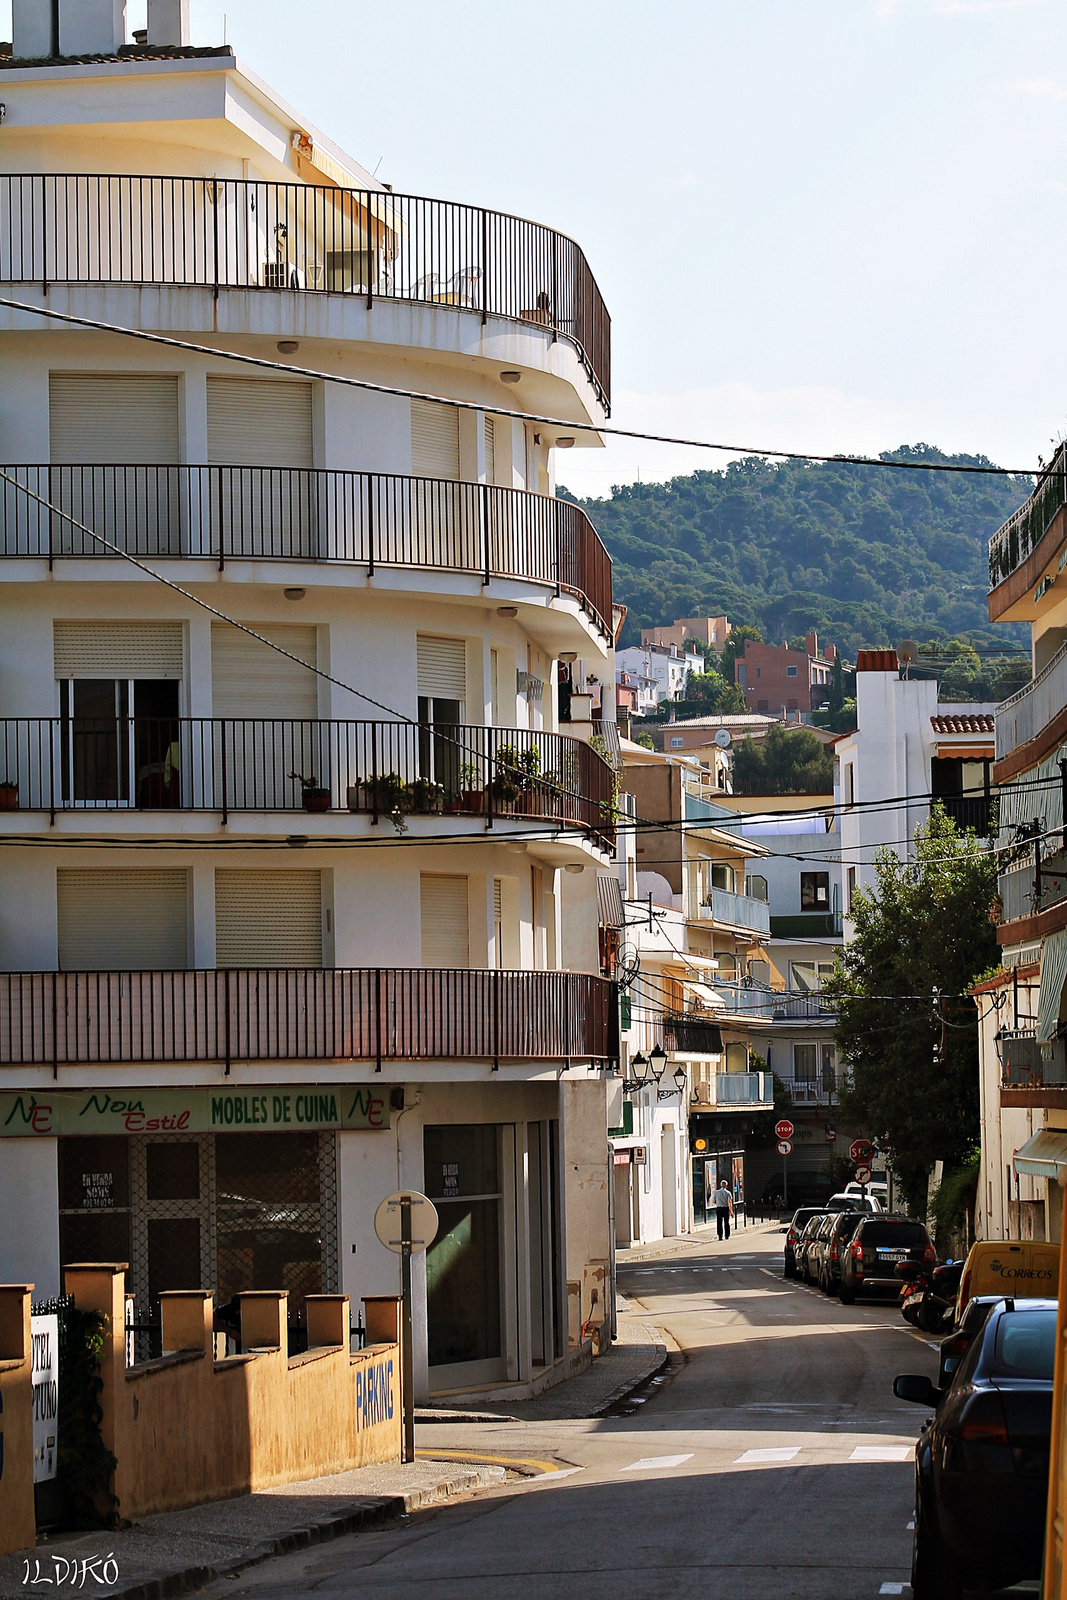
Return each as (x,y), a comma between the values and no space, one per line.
(228,233)
(372,1014)
(1013,544)
(1032,722)
(365,519)
(376,769)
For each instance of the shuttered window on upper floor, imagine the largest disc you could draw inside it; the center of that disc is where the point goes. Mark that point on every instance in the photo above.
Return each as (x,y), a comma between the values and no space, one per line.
(442,667)
(113,418)
(268,919)
(259,422)
(118,649)
(490,450)
(249,679)
(434,440)
(123,920)
(445,920)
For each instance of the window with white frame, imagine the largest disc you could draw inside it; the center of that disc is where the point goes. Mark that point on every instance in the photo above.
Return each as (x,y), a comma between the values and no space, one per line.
(809,976)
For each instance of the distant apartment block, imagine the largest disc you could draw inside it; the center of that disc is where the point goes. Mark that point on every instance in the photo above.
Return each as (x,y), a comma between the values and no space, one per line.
(778,680)
(666,667)
(712,632)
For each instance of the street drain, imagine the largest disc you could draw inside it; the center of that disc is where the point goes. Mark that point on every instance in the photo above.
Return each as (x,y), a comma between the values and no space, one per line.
(645,1391)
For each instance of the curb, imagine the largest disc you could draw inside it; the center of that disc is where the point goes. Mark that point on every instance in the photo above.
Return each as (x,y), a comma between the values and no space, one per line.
(358,1520)
(655,1364)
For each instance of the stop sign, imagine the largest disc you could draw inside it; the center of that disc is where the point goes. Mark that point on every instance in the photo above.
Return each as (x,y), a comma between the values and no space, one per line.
(783,1129)
(860,1150)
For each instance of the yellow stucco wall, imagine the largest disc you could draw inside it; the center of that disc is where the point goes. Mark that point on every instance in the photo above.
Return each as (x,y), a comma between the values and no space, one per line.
(17,1526)
(190,1428)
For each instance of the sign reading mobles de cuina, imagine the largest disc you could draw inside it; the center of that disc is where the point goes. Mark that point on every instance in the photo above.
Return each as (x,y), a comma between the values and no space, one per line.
(301,1108)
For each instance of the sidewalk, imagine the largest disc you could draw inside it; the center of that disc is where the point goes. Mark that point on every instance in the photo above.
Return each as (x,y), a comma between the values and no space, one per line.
(177,1551)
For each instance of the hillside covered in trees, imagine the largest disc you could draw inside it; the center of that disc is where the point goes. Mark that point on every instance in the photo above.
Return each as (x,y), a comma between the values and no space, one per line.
(866,555)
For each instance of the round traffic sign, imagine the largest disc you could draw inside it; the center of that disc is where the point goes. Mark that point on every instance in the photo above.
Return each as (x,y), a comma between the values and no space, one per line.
(388,1221)
(783,1129)
(863,1174)
(785,1147)
(860,1150)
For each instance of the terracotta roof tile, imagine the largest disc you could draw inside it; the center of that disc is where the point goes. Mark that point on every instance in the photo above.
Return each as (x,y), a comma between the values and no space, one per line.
(877,661)
(982,723)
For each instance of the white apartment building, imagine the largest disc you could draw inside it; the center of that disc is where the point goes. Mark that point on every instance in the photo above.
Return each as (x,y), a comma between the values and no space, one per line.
(907,747)
(665,666)
(293,916)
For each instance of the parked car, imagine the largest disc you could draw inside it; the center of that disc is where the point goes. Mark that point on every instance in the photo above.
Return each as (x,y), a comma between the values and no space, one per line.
(817,1246)
(835,1247)
(805,1246)
(876,1248)
(955,1347)
(801,1217)
(1021,1267)
(981,1462)
(877,1189)
(854,1202)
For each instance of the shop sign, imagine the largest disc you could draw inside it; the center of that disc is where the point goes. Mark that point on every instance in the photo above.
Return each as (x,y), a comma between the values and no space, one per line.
(296,1108)
(44,1339)
(640,1155)
(449,1178)
(98,1191)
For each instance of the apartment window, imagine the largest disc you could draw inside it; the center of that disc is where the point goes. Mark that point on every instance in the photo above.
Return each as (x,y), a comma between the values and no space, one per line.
(850,784)
(268,919)
(722,875)
(132,919)
(806,1063)
(790,672)
(762,705)
(677,744)
(741,674)
(829,1077)
(851,885)
(814,891)
(756,886)
(808,977)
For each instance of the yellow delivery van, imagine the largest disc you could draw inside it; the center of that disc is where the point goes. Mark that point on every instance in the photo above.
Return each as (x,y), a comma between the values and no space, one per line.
(1026,1268)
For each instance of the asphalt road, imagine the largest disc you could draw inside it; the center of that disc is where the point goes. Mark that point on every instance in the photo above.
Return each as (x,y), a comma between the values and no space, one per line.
(774,1462)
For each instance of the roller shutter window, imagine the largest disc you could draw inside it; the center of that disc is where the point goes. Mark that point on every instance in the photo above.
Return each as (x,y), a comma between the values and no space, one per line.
(434,440)
(257,422)
(490,450)
(442,667)
(249,679)
(113,417)
(445,920)
(114,447)
(118,649)
(268,919)
(124,920)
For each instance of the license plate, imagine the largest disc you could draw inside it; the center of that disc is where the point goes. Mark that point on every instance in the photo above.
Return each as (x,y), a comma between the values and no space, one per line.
(892,1255)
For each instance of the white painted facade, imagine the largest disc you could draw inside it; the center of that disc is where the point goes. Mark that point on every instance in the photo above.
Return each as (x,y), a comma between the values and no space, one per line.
(527,900)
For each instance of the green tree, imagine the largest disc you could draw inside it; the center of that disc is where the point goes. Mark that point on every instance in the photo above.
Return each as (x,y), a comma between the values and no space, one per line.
(712,693)
(735,646)
(786,761)
(907,1029)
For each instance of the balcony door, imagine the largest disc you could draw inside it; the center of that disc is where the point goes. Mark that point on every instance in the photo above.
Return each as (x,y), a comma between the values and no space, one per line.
(444,756)
(269,703)
(465,1268)
(264,491)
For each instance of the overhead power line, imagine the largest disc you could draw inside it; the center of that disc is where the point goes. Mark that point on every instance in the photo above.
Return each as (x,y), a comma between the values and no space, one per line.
(400,392)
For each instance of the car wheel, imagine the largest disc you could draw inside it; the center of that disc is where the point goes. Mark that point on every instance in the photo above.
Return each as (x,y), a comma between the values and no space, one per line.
(790,1267)
(848,1296)
(935,1569)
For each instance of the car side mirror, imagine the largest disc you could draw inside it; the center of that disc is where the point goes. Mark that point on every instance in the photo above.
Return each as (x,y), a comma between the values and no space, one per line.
(912,1387)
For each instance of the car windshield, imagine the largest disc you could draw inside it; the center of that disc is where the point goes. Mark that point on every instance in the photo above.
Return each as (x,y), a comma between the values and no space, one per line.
(894,1235)
(803,1217)
(1026,1343)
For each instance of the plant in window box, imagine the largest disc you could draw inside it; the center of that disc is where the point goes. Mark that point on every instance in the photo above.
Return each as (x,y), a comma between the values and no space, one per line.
(9,795)
(425,796)
(312,794)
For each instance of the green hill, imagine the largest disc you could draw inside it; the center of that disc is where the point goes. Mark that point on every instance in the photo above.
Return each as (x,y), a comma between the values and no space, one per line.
(864,554)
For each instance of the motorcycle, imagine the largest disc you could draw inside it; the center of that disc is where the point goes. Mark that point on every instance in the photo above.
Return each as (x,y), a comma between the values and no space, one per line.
(928,1296)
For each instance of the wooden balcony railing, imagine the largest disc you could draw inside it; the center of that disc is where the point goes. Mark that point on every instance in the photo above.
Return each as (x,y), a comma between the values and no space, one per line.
(380,769)
(227,233)
(293,514)
(373,1014)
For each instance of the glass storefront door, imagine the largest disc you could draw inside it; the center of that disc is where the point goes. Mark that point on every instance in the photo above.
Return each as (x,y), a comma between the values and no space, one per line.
(464,1263)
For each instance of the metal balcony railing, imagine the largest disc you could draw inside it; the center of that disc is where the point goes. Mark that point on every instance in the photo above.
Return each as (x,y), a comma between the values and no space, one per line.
(1026,1064)
(299,1014)
(294,514)
(250,764)
(735,1089)
(1017,889)
(690,1034)
(799,1007)
(1014,542)
(1022,717)
(735,910)
(227,233)
(978,812)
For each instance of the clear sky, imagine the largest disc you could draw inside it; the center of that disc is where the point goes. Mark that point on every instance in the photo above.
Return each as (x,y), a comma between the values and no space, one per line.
(822,224)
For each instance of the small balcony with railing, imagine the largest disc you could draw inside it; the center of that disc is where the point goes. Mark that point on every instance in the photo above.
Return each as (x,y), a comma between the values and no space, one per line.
(319,242)
(1032,722)
(381,770)
(1037,886)
(377,522)
(733,1091)
(369,1015)
(1021,549)
(1033,1072)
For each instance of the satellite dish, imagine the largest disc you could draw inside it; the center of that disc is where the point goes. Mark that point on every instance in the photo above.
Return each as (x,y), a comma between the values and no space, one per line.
(627,965)
(723,739)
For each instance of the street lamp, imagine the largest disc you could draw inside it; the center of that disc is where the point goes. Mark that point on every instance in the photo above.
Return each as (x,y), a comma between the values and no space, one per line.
(639,1069)
(680,1082)
(680,1079)
(658,1062)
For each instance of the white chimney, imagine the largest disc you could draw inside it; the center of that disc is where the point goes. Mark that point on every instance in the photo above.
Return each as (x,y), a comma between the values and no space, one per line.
(31,29)
(168,22)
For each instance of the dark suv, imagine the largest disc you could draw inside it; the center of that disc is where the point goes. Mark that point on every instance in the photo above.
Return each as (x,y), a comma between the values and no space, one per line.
(876,1248)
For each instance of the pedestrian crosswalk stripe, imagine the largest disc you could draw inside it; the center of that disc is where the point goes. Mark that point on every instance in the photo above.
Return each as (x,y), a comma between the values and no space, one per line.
(780,1453)
(882,1452)
(652,1463)
(891,1588)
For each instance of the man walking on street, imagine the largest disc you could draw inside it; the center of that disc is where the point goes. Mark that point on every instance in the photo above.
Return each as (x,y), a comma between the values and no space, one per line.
(724,1205)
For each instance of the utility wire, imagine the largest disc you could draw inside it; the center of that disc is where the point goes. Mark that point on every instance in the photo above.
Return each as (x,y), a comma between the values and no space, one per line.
(398,391)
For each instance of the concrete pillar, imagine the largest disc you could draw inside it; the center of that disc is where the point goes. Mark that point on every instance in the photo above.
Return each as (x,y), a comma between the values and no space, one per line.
(264,1319)
(187,1316)
(101,1287)
(17,1520)
(381,1316)
(327,1316)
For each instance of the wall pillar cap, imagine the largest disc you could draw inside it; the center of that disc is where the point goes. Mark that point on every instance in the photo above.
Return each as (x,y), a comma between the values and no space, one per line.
(114,1267)
(182,1294)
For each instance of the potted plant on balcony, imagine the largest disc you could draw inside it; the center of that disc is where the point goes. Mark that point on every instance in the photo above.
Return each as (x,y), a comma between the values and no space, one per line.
(425,796)
(9,795)
(314,797)
(515,772)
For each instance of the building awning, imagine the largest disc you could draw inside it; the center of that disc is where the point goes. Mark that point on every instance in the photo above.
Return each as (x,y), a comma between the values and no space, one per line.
(609,901)
(704,996)
(1053,974)
(1044,1155)
(686,964)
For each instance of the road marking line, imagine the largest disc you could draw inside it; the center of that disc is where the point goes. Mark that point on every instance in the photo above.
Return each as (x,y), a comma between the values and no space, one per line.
(769,1273)
(882,1452)
(653,1463)
(910,1527)
(784,1453)
(891,1588)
